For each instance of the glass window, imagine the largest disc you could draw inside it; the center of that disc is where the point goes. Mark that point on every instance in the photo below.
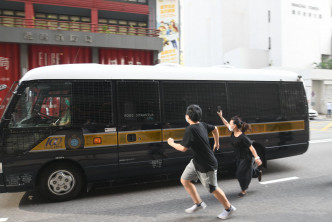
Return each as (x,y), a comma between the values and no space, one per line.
(132,24)
(142,24)
(142,1)
(20,14)
(138,102)
(40,15)
(253,100)
(122,22)
(85,19)
(8,12)
(43,105)
(112,21)
(64,17)
(103,21)
(92,103)
(293,100)
(52,16)
(178,95)
(75,18)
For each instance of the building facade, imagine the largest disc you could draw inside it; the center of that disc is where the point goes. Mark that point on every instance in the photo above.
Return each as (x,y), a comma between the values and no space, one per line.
(36,33)
(284,34)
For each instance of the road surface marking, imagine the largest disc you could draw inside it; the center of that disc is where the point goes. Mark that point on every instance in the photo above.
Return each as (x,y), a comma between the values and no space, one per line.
(3,219)
(327,126)
(279,180)
(321,141)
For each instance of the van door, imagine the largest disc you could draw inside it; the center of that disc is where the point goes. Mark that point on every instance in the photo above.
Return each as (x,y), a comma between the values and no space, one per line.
(93,116)
(139,129)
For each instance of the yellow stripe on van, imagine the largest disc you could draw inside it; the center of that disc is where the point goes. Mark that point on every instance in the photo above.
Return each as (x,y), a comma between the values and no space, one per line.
(146,136)
(107,139)
(277,127)
(155,136)
(176,134)
(260,128)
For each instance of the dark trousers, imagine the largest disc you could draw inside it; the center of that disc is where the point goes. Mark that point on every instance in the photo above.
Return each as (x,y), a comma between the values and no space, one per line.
(245,171)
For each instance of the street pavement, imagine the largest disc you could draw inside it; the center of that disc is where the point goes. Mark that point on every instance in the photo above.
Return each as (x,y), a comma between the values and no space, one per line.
(293,189)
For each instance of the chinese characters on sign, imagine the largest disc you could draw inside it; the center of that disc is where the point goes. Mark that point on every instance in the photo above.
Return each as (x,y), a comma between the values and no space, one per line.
(57,37)
(167,24)
(4,62)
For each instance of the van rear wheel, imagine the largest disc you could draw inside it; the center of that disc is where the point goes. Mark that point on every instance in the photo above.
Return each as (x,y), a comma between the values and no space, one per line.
(60,182)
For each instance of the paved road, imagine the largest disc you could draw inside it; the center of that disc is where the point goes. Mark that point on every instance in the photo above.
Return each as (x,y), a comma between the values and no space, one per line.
(306,196)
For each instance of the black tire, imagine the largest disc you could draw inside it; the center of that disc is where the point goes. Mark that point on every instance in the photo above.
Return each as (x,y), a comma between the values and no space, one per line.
(61,182)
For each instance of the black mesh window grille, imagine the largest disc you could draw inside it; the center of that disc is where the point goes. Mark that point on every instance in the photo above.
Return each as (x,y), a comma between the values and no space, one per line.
(43,104)
(138,101)
(179,95)
(23,140)
(293,100)
(92,103)
(38,111)
(253,100)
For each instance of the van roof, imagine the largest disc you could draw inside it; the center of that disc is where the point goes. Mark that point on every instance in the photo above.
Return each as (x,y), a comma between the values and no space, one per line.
(158,72)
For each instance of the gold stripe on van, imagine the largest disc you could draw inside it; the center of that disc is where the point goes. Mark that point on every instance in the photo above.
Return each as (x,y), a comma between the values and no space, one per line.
(155,136)
(261,128)
(107,139)
(146,136)
(176,134)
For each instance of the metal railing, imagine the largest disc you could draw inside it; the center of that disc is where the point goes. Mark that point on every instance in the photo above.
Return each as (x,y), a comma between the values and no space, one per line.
(76,26)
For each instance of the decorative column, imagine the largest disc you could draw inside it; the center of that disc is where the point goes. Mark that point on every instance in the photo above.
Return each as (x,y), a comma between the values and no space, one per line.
(29,15)
(94,20)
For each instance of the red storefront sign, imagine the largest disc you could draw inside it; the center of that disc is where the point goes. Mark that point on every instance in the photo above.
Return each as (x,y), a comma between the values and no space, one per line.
(125,57)
(9,68)
(44,55)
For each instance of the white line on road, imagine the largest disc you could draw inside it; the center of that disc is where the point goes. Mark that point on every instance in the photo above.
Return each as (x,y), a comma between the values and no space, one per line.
(279,180)
(3,219)
(320,141)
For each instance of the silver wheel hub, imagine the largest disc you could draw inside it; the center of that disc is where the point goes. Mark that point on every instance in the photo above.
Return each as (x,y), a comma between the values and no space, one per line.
(61,182)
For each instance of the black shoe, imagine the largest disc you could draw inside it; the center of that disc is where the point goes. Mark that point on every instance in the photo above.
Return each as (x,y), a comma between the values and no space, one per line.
(242,194)
(260,176)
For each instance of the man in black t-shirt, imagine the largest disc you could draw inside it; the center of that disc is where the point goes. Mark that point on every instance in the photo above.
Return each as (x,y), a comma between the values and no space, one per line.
(204,164)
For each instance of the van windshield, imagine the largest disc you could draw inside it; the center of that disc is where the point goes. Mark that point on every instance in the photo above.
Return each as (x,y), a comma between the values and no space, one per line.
(42,105)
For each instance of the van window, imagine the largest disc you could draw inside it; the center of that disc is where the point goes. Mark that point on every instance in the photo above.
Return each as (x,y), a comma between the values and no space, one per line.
(252,100)
(43,105)
(138,102)
(92,103)
(178,95)
(293,99)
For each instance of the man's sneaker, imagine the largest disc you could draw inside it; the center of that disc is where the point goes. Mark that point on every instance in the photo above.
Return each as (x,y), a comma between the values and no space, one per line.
(196,208)
(226,214)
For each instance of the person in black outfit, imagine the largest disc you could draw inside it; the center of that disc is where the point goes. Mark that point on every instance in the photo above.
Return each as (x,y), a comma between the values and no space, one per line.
(244,153)
(204,164)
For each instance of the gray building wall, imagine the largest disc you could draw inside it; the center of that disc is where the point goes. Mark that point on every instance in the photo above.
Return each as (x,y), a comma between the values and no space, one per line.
(88,39)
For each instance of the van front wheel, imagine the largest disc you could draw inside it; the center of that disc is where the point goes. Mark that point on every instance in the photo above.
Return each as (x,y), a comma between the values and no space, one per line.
(61,182)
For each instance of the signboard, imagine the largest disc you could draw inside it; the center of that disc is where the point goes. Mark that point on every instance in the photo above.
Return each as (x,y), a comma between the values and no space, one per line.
(168,24)
(9,70)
